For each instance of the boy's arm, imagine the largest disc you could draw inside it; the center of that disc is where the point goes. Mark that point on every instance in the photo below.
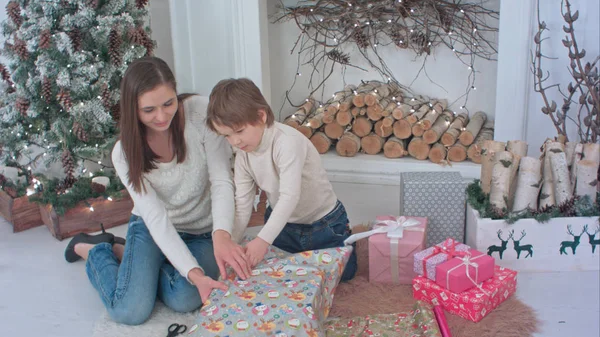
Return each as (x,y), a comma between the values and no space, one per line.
(289,156)
(245,190)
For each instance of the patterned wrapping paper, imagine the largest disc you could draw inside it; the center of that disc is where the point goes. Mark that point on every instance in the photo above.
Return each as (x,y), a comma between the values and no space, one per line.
(419,322)
(439,196)
(473,304)
(287,295)
(433,256)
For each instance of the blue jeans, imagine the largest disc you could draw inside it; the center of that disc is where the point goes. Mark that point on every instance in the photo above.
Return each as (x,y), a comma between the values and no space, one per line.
(129,289)
(328,232)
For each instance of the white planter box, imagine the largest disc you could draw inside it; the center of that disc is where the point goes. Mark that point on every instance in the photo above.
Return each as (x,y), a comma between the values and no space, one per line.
(550,243)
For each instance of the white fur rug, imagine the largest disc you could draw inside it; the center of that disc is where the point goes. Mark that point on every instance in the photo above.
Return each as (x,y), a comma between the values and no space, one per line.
(156,326)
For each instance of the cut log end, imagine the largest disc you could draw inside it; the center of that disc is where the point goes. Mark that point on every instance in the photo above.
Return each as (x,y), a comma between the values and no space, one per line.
(394,148)
(457,153)
(437,154)
(348,145)
(372,144)
(321,142)
(418,149)
(306,130)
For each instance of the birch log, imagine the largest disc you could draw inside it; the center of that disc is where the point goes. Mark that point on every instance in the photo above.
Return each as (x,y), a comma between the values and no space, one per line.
(321,142)
(488,150)
(486,133)
(577,155)
(395,148)
(518,147)
(500,182)
(343,117)
(437,154)
(457,152)
(348,145)
(402,111)
(381,129)
(570,153)
(587,180)
(560,177)
(372,143)
(439,127)
(418,149)
(430,118)
(472,129)
(402,128)
(547,198)
(451,135)
(591,151)
(334,130)
(361,126)
(528,184)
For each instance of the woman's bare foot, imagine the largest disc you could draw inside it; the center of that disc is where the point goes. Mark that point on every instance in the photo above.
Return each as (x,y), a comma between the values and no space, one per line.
(83,249)
(118,250)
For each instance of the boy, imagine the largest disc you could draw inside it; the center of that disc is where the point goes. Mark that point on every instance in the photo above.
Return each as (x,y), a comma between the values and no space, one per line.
(306,213)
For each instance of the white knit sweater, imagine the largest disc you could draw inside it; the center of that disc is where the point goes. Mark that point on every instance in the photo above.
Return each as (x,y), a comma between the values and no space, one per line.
(181,197)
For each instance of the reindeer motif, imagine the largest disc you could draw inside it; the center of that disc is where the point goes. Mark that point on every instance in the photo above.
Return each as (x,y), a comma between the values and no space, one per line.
(246,295)
(573,244)
(297,296)
(518,247)
(499,249)
(276,272)
(214,325)
(266,326)
(591,237)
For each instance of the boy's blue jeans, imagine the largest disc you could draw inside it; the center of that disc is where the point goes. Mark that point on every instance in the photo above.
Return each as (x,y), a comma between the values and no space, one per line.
(128,289)
(327,232)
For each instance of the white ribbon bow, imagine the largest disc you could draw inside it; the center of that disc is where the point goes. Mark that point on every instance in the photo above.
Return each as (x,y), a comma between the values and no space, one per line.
(467,261)
(393,228)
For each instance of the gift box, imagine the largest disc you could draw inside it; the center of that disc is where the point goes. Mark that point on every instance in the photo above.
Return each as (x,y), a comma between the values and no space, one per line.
(426,261)
(391,259)
(441,197)
(473,304)
(465,272)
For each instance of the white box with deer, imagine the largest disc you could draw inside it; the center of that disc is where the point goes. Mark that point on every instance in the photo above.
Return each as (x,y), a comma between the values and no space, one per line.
(561,244)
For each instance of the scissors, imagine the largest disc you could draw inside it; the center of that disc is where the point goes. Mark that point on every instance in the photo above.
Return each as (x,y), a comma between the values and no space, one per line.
(176,329)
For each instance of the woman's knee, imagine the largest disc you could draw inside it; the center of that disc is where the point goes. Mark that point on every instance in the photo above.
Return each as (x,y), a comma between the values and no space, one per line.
(183,301)
(131,316)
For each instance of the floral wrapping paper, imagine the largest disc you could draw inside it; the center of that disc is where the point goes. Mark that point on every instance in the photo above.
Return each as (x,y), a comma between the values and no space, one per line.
(419,322)
(287,295)
(473,304)
(433,260)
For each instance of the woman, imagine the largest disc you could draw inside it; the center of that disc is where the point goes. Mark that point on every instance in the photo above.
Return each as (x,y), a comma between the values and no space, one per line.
(179,176)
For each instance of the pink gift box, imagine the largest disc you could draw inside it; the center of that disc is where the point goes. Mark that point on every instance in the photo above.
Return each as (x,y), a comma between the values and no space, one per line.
(426,261)
(465,272)
(386,267)
(473,304)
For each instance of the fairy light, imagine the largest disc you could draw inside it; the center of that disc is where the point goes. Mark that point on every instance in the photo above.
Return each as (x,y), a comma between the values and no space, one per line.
(298,74)
(394,98)
(91,174)
(109,199)
(412,110)
(91,208)
(462,107)
(389,21)
(99,162)
(474,30)
(474,88)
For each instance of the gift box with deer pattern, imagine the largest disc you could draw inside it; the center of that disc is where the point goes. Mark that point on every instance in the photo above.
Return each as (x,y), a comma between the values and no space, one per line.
(473,304)
(287,295)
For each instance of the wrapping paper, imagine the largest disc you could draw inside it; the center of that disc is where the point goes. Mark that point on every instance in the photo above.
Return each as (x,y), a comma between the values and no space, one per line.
(441,320)
(463,273)
(287,295)
(425,261)
(419,322)
(473,304)
(391,260)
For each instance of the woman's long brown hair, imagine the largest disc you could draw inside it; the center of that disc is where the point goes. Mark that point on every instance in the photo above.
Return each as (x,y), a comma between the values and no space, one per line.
(143,75)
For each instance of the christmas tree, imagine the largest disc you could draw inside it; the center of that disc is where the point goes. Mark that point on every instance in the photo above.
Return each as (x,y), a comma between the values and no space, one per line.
(60,100)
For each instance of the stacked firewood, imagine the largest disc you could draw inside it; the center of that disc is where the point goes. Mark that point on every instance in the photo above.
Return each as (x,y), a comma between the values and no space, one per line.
(375,117)
(517,183)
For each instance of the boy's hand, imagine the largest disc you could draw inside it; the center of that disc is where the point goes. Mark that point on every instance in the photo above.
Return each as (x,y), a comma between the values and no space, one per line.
(230,253)
(204,283)
(256,250)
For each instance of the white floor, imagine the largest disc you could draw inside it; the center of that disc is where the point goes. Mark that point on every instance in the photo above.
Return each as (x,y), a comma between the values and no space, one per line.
(42,295)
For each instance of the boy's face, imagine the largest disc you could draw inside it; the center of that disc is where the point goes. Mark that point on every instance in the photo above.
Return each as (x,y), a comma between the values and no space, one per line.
(247,137)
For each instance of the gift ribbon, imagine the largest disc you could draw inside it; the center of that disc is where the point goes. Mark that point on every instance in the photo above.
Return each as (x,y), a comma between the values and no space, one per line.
(467,261)
(395,230)
(450,250)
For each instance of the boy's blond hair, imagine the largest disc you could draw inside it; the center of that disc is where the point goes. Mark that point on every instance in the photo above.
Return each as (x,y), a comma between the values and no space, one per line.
(234,103)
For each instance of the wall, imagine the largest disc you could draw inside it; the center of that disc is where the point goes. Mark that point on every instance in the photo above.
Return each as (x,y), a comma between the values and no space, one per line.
(539,126)
(442,67)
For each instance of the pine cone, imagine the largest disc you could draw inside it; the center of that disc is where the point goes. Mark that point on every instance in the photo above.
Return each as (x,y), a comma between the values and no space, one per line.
(10,191)
(4,72)
(75,36)
(80,132)
(14,13)
(568,207)
(22,104)
(64,98)
(47,89)
(45,39)
(360,38)
(114,45)
(20,47)
(68,167)
(141,3)
(135,36)
(98,188)
(105,96)
(61,188)
(115,112)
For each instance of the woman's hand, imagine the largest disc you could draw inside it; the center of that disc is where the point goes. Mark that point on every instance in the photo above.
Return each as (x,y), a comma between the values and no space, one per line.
(204,283)
(230,253)
(256,250)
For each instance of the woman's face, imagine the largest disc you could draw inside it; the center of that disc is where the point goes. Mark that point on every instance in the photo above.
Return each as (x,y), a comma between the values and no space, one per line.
(157,107)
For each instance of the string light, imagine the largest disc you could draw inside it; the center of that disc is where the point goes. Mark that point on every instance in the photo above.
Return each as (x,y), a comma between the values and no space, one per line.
(99,162)
(91,174)
(109,199)
(91,208)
